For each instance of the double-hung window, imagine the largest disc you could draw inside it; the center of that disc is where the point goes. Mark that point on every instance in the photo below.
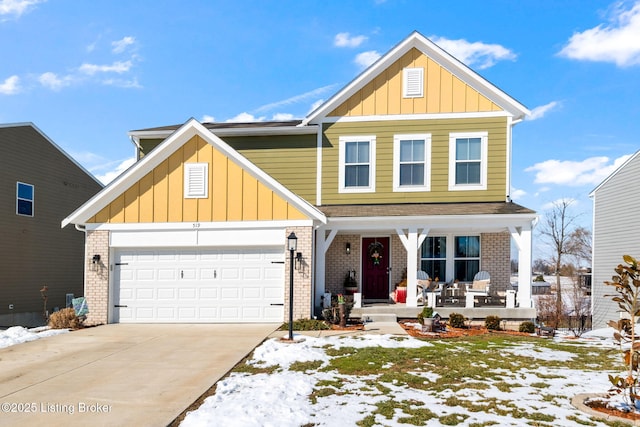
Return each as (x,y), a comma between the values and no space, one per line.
(24,199)
(468,161)
(357,164)
(433,257)
(466,262)
(412,158)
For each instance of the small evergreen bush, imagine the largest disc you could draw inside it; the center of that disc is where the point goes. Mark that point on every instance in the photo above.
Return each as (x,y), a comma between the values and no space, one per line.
(527,327)
(492,323)
(457,320)
(65,319)
(306,325)
(427,312)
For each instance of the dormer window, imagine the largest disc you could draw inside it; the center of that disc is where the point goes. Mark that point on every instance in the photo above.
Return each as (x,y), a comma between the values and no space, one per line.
(413,82)
(196,180)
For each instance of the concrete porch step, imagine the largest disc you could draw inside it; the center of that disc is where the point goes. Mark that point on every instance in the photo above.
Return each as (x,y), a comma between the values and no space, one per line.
(379,317)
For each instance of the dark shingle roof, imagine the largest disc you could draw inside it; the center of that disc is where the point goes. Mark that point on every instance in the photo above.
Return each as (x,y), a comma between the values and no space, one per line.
(425,209)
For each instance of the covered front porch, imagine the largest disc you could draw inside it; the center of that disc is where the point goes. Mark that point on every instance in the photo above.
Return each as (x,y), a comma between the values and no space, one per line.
(380,247)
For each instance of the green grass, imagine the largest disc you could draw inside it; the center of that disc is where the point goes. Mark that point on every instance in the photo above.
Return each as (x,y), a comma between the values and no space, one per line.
(454,367)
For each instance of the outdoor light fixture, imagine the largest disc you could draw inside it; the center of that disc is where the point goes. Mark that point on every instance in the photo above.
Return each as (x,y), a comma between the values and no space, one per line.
(348,248)
(298,260)
(293,245)
(95,259)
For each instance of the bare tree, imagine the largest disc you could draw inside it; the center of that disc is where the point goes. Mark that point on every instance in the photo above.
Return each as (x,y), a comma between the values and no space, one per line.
(579,246)
(556,229)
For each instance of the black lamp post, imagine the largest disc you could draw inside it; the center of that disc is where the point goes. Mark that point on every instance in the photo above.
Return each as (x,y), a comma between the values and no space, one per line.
(293,244)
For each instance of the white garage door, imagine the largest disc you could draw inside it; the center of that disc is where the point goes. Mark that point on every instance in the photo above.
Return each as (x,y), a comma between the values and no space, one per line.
(199,285)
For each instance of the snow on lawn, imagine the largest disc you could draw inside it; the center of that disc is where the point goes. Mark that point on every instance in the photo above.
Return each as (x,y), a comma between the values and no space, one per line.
(282,398)
(18,335)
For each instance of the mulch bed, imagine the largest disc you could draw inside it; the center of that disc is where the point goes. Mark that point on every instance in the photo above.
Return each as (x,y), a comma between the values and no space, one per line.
(601,406)
(450,332)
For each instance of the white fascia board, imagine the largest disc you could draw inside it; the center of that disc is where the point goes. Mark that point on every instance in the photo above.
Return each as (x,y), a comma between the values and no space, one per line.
(440,56)
(433,221)
(231,225)
(191,128)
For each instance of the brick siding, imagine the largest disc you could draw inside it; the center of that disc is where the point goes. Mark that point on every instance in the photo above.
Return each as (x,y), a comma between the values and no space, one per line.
(96,277)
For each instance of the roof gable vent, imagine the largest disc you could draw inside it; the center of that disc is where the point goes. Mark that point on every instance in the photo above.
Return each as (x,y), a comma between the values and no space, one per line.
(413,82)
(196,180)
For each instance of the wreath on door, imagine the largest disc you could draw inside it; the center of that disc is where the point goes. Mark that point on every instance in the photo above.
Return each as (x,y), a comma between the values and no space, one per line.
(375,252)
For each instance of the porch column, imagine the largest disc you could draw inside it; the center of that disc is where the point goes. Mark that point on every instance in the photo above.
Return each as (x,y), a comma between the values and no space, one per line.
(411,243)
(323,241)
(522,239)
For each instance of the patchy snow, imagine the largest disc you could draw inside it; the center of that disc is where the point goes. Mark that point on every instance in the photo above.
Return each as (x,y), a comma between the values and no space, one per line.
(18,335)
(283,398)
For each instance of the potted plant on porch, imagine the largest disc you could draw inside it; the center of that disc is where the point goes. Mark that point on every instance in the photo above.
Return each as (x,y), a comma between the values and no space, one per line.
(350,283)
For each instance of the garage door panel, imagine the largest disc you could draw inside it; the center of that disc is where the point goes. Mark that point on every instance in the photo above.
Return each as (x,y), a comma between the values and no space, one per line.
(204,285)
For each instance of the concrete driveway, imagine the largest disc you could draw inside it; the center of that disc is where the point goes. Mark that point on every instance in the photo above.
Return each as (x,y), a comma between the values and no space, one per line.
(119,375)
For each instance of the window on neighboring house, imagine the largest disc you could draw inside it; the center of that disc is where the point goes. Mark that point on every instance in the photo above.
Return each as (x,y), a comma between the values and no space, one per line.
(413,82)
(433,257)
(196,180)
(466,262)
(412,154)
(24,199)
(357,164)
(468,161)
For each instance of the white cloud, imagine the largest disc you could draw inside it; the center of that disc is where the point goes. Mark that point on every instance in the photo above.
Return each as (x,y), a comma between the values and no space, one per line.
(617,41)
(542,110)
(281,117)
(591,171)
(346,40)
(245,117)
(121,45)
(52,81)
(117,67)
(473,54)
(315,105)
(124,83)
(295,99)
(568,200)
(110,175)
(208,119)
(10,86)
(517,194)
(367,58)
(17,7)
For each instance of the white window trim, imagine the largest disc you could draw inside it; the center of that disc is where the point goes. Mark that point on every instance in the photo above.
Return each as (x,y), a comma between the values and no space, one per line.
(418,73)
(484,150)
(372,164)
(450,257)
(427,162)
(196,168)
(33,200)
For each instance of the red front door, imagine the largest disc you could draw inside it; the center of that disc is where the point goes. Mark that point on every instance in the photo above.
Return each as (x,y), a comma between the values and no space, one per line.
(375,268)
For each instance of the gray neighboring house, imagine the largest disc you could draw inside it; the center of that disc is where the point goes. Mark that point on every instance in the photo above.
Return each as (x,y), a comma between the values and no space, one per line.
(615,233)
(39,185)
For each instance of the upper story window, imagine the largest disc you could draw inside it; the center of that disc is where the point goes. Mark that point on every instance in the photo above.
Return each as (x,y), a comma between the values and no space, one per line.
(412,157)
(196,180)
(24,199)
(468,161)
(413,82)
(357,164)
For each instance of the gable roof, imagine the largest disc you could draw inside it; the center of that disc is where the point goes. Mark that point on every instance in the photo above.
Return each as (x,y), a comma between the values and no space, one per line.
(50,141)
(614,173)
(439,55)
(178,138)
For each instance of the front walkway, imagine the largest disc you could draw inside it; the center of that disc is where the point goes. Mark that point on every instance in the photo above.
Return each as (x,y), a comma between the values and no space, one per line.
(136,375)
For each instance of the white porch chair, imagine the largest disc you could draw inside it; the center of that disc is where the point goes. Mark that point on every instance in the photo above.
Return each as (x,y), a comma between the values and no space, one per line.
(479,288)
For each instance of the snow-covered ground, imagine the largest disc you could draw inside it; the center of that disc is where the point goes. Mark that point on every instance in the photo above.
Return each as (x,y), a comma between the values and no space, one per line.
(282,398)
(18,334)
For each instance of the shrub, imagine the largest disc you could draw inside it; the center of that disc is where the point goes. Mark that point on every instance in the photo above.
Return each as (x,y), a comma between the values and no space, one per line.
(306,325)
(457,320)
(65,319)
(427,312)
(527,327)
(492,323)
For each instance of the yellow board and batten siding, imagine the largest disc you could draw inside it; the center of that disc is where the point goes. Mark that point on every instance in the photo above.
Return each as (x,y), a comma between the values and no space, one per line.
(444,93)
(234,194)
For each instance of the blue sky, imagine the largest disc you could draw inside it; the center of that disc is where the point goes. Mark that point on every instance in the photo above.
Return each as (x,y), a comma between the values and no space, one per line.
(87,72)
